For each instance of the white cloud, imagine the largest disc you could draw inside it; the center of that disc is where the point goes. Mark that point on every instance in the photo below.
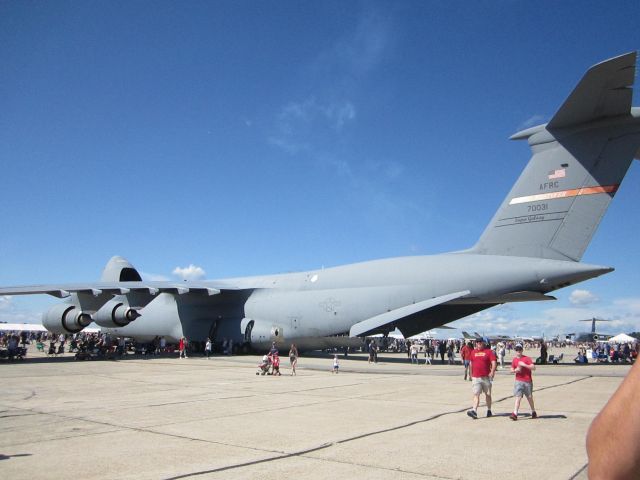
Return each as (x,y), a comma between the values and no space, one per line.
(631,305)
(191,272)
(306,125)
(24,309)
(532,319)
(332,78)
(582,297)
(358,52)
(5,302)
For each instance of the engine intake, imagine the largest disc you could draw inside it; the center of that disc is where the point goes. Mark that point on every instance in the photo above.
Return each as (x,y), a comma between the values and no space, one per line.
(115,313)
(261,334)
(65,318)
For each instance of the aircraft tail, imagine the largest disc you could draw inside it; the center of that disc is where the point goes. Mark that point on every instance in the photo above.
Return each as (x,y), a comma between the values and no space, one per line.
(119,269)
(579,160)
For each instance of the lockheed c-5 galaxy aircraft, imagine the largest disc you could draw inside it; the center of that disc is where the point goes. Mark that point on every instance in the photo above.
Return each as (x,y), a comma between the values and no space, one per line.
(531,247)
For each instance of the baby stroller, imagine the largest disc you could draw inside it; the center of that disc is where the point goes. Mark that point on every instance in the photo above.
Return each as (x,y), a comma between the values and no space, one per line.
(264,366)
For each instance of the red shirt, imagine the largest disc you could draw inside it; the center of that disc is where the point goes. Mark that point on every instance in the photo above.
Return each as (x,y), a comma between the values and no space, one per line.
(524,375)
(464,352)
(481,362)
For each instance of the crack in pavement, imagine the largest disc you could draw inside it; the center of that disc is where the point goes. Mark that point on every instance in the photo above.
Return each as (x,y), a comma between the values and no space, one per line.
(304,453)
(279,455)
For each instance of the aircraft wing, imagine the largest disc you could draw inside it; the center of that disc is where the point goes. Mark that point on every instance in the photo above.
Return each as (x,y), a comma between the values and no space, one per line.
(371,324)
(120,288)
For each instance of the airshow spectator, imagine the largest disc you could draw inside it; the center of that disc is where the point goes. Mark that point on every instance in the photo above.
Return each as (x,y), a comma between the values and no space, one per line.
(414,353)
(370,349)
(483,370)
(450,354)
(543,353)
(275,364)
(523,367)
(465,354)
(501,354)
(442,349)
(293,358)
(182,347)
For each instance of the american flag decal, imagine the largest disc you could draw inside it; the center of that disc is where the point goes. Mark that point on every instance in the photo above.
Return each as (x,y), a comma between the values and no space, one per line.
(561,173)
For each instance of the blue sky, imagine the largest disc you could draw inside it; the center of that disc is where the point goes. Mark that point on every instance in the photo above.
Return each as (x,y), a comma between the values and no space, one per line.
(232,138)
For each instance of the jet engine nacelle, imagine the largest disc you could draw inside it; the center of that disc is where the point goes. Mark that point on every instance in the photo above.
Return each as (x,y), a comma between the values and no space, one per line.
(261,334)
(65,318)
(115,313)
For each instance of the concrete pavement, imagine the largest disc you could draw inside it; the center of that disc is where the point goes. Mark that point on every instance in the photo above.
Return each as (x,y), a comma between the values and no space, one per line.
(166,418)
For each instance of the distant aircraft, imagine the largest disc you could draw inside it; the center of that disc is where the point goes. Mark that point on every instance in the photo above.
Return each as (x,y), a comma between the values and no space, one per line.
(491,338)
(531,247)
(592,336)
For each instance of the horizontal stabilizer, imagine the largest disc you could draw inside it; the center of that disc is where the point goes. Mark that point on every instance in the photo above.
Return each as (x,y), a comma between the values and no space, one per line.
(604,91)
(366,326)
(522,296)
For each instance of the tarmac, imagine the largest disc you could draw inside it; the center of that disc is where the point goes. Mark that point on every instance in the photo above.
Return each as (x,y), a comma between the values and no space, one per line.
(169,418)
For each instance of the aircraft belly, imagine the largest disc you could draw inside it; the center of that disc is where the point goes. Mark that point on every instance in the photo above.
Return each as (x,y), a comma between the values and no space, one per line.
(328,312)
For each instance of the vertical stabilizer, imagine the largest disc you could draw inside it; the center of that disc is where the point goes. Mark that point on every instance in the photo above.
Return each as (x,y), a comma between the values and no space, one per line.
(579,160)
(119,269)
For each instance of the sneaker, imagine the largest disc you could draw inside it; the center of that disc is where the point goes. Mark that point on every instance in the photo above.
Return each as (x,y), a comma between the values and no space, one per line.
(472,414)
(489,414)
(513,416)
(534,415)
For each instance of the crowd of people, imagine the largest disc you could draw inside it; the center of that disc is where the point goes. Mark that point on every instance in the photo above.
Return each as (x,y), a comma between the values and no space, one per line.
(83,345)
(604,352)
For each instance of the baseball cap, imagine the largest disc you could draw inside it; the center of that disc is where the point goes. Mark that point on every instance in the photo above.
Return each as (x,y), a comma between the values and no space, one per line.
(518,346)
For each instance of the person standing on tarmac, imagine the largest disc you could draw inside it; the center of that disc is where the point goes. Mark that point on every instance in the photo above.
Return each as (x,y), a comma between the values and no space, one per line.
(465,353)
(182,347)
(293,358)
(483,370)
(523,367)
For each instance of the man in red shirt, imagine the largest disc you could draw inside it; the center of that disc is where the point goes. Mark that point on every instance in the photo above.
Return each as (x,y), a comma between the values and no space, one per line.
(522,366)
(465,352)
(483,369)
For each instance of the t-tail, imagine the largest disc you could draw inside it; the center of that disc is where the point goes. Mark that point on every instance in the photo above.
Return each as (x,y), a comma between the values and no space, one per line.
(579,160)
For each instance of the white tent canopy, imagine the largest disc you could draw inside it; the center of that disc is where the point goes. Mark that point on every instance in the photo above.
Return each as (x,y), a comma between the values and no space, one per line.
(622,338)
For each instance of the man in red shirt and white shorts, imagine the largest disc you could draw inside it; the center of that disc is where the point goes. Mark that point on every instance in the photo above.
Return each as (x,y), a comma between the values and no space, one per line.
(483,369)
(522,366)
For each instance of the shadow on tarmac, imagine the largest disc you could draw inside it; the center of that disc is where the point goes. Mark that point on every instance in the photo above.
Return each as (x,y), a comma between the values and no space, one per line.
(7,457)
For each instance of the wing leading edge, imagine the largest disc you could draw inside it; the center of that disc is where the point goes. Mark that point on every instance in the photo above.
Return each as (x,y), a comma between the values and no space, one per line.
(119,288)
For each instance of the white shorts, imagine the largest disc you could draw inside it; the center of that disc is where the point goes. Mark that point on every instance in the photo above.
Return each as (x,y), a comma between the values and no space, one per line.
(481,385)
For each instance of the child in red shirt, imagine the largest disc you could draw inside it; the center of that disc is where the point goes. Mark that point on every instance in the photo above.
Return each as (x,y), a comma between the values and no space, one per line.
(522,366)
(276,365)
